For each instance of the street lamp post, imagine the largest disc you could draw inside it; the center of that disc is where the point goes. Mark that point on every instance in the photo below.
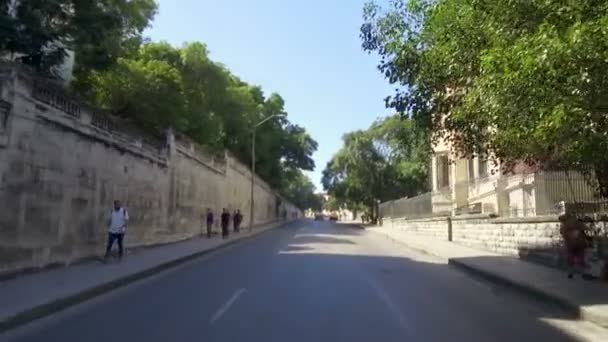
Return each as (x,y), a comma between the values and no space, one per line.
(251,204)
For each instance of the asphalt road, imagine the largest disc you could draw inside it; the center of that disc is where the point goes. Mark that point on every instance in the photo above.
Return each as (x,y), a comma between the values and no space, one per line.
(311,281)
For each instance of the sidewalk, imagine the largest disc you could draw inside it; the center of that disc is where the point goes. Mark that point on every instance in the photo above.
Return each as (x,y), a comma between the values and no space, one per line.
(587,299)
(36,295)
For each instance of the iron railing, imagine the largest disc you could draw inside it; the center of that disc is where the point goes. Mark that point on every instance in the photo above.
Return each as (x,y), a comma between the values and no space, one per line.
(515,195)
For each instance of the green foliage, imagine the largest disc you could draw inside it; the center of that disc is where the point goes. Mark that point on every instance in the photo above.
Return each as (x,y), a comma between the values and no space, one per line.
(318,202)
(522,80)
(143,90)
(161,86)
(332,204)
(41,31)
(385,162)
(298,148)
(32,34)
(300,190)
(156,85)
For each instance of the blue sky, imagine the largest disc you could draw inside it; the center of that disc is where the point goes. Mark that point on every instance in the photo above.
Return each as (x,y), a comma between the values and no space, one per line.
(307,51)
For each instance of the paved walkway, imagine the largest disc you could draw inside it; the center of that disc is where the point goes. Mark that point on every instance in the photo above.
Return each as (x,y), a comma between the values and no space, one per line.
(31,296)
(588,299)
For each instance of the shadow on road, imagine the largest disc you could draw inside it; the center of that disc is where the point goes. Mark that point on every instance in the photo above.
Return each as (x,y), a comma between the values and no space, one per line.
(303,239)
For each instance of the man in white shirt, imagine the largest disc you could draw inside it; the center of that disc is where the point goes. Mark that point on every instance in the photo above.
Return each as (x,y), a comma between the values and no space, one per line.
(119,217)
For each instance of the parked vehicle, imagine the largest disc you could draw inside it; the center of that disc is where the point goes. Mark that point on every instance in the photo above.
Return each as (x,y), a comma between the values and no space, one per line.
(319,217)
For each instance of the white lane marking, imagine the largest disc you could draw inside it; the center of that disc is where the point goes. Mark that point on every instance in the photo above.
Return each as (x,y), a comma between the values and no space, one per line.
(404,324)
(221,311)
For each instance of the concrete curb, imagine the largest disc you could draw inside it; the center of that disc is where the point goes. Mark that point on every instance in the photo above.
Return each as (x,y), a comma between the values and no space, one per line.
(59,304)
(576,310)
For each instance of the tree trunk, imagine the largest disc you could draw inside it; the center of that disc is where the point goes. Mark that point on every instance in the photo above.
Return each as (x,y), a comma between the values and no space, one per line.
(373,213)
(601,175)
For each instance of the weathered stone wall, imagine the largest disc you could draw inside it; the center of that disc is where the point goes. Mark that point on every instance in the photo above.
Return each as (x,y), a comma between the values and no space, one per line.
(535,238)
(431,227)
(62,164)
(510,237)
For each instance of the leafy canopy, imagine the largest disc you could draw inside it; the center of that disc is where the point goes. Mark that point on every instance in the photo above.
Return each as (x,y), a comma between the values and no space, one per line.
(385,162)
(524,80)
(161,86)
(40,32)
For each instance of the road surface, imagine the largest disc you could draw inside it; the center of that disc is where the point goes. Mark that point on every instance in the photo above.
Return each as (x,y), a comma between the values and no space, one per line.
(311,281)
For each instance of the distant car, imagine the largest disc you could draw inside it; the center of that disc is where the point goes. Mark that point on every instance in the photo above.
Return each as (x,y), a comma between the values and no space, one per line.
(333,217)
(319,217)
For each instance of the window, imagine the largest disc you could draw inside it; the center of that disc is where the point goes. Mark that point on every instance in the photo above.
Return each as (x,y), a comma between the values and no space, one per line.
(443,172)
(483,167)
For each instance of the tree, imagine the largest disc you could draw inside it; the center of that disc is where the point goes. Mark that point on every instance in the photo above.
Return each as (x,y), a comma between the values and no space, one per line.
(156,85)
(150,92)
(40,32)
(520,80)
(333,204)
(298,147)
(385,162)
(161,86)
(300,190)
(29,32)
(318,202)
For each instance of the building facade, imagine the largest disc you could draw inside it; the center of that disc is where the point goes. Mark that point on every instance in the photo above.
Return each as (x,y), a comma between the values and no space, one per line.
(480,186)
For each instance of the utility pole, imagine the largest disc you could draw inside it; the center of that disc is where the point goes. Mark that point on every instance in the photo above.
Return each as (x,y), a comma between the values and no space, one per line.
(252,199)
(252,178)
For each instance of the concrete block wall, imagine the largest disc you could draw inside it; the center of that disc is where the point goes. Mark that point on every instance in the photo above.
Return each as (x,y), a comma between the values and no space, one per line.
(62,164)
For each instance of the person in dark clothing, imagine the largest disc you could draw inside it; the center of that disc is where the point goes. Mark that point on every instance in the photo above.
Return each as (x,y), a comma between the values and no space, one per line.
(225,223)
(236,220)
(209,222)
(576,242)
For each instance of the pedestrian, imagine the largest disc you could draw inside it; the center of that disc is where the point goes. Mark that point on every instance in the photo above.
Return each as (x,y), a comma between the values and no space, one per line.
(210,221)
(237,219)
(576,242)
(117,226)
(225,219)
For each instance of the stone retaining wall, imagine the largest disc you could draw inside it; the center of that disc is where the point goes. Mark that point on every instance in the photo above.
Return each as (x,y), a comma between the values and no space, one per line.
(526,237)
(62,164)
(434,227)
(515,237)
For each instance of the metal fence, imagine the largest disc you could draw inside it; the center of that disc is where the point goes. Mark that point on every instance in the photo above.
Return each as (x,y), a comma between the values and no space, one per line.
(415,207)
(516,195)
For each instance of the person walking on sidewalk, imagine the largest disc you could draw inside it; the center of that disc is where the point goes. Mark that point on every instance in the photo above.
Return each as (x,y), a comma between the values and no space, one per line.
(225,219)
(236,220)
(576,242)
(117,226)
(210,221)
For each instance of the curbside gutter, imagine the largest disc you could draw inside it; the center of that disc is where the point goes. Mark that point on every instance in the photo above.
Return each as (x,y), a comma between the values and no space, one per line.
(59,304)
